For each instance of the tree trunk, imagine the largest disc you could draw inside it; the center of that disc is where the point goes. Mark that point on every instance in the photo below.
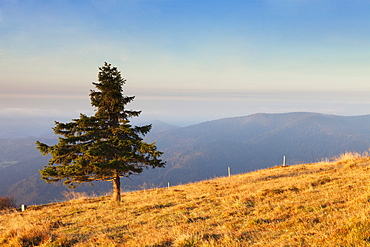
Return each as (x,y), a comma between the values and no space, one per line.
(116,188)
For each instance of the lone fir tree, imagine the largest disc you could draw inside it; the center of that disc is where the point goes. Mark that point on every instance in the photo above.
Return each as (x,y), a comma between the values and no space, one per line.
(104,146)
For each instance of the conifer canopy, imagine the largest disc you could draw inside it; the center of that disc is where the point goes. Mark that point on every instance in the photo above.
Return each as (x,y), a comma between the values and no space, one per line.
(104,146)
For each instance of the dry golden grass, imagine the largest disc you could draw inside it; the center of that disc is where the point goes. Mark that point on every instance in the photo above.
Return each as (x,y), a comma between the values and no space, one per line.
(323,204)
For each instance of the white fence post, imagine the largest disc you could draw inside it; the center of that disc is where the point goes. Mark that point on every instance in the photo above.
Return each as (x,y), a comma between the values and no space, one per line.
(229,171)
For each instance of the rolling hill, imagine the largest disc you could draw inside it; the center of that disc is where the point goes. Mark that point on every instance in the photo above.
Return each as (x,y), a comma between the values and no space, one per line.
(202,151)
(321,204)
(257,141)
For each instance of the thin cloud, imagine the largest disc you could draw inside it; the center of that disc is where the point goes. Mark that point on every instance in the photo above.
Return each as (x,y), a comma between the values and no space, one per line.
(27,112)
(47,96)
(38,113)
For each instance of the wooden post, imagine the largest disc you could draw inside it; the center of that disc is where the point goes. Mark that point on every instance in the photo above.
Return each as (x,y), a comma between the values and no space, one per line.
(228,171)
(168,185)
(23,207)
(284,160)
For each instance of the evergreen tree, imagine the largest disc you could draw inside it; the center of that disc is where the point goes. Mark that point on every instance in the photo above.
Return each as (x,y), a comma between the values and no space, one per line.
(104,146)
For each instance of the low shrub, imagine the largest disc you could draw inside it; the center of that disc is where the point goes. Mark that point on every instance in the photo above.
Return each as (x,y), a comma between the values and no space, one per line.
(7,202)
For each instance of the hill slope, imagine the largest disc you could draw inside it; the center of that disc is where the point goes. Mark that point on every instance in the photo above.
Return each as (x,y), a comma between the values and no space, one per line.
(202,151)
(323,204)
(256,141)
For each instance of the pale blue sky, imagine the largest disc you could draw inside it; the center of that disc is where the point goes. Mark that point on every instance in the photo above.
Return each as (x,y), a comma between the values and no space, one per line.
(186,61)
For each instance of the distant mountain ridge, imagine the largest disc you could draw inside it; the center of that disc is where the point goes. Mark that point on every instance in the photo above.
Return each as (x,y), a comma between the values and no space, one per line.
(206,150)
(251,128)
(267,129)
(158,126)
(259,141)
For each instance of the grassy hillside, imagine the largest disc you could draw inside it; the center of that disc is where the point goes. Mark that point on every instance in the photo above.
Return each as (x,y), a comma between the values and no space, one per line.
(323,204)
